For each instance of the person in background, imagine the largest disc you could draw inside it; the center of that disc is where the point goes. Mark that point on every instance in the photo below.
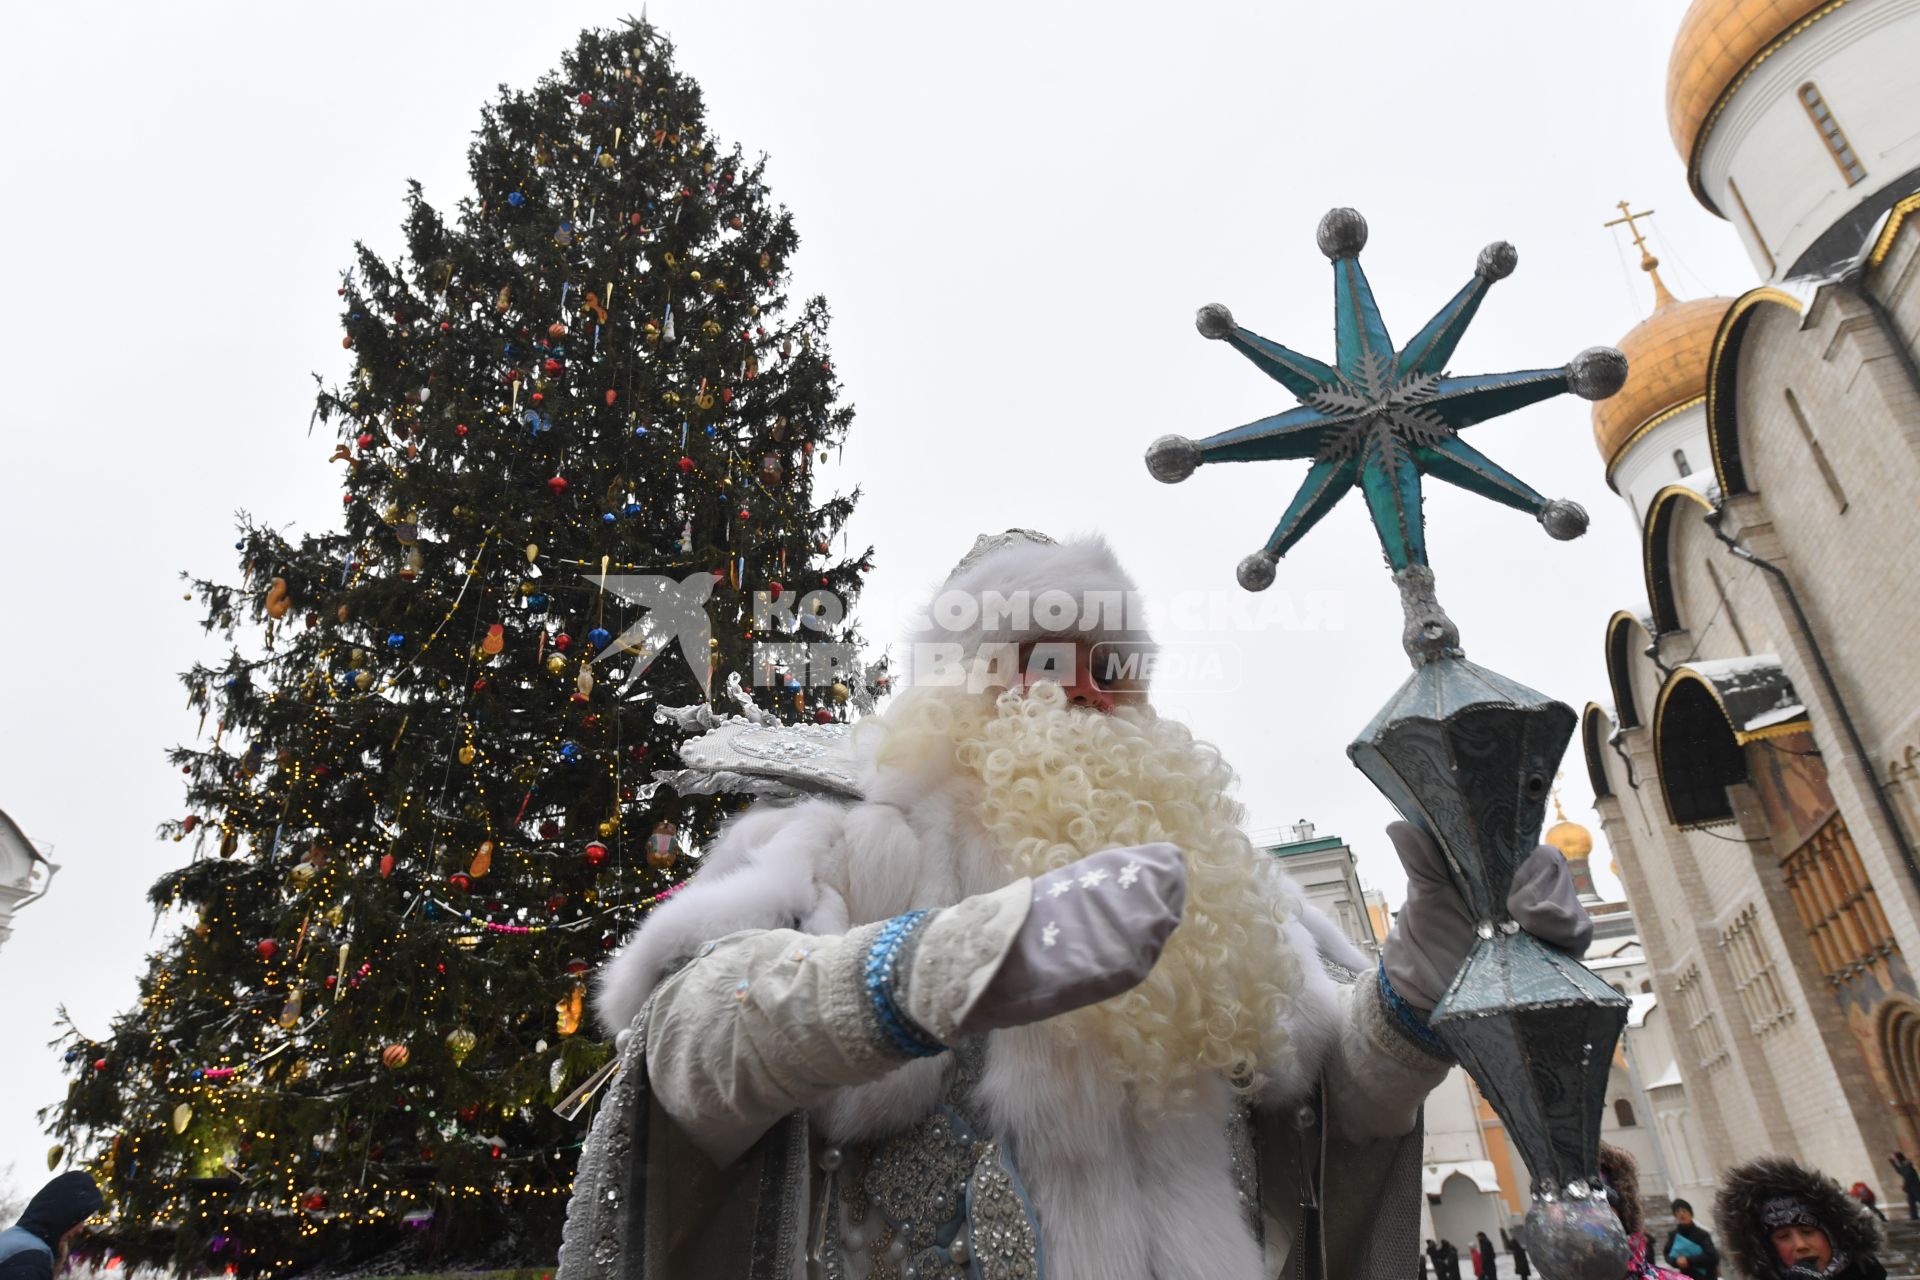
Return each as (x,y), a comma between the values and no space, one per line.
(1620,1174)
(35,1248)
(1864,1194)
(1489,1261)
(1689,1246)
(1784,1221)
(1909,1182)
(1522,1267)
(1449,1261)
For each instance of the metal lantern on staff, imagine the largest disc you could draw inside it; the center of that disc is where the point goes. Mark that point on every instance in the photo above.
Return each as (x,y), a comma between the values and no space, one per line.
(1463,753)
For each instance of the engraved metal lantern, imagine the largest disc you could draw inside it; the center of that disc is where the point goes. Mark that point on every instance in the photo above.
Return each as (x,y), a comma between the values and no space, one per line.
(1462,752)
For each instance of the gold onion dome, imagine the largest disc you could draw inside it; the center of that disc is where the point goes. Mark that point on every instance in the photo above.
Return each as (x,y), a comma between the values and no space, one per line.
(1719,44)
(1666,355)
(1573,841)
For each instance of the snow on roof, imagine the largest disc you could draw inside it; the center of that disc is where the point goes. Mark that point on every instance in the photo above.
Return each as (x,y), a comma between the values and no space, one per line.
(1668,1078)
(1755,690)
(1704,483)
(1639,1006)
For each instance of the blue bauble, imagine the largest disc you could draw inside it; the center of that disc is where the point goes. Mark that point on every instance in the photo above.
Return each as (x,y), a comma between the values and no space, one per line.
(598,637)
(632,509)
(607,517)
(396,640)
(516,199)
(536,603)
(570,751)
(639,431)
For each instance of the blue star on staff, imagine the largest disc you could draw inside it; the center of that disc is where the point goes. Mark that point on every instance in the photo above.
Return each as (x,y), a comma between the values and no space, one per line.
(1380,419)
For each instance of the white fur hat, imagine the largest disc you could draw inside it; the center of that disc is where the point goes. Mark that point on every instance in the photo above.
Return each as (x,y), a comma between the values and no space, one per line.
(1019,586)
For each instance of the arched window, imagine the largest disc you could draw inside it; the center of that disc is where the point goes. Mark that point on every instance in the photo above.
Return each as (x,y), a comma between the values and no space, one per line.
(1830,132)
(1646,986)
(1680,463)
(1623,1113)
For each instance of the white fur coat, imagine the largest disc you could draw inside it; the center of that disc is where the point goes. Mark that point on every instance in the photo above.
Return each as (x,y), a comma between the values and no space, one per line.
(1111,1192)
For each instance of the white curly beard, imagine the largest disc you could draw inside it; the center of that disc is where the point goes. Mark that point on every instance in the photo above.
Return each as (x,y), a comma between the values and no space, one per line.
(1061,783)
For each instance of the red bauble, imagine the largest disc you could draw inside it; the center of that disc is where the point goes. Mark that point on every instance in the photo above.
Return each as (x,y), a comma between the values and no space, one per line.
(823,715)
(538,397)
(99,1064)
(637,752)
(556,330)
(480,684)
(189,822)
(469,1113)
(331,981)
(552,366)
(347,342)
(596,855)
(576,967)
(445,325)
(586,99)
(773,590)
(461,881)
(556,902)
(386,865)
(612,395)
(563,642)
(365,439)
(549,830)
(267,948)
(460,429)
(633,219)
(686,464)
(558,484)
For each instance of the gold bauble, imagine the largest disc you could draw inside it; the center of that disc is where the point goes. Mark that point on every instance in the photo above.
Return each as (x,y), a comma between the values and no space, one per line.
(357,658)
(363,681)
(460,1042)
(54,1153)
(182,1117)
(466,754)
(557,663)
(606,159)
(610,826)
(533,552)
(840,692)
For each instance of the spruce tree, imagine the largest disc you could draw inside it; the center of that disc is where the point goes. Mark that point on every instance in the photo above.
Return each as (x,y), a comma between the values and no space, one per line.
(418,806)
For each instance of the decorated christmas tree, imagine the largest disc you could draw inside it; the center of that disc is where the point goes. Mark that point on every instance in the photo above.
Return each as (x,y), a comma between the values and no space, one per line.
(577,444)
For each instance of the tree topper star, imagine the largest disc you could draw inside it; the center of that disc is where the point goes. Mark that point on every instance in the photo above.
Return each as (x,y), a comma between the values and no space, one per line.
(1382,419)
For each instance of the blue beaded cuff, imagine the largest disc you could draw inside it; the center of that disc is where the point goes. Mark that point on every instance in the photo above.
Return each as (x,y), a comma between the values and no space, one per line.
(898,1029)
(1409,1019)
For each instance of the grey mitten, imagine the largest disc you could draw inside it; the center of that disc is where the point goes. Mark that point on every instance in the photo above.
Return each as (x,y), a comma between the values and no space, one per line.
(1434,931)
(1095,929)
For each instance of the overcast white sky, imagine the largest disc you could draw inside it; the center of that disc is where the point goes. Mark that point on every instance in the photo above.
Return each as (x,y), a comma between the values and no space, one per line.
(1014,210)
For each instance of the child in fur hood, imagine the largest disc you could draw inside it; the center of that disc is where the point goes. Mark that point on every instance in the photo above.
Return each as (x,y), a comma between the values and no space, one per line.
(1784,1221)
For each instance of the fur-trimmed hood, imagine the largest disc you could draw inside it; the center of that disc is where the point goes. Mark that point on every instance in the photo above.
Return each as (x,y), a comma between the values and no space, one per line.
(1744,1192)
(1620,1171)
(1022,585)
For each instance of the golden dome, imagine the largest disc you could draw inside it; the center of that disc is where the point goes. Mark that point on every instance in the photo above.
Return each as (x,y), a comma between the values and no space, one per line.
(1666,367)
(1719,44)
(1573,841)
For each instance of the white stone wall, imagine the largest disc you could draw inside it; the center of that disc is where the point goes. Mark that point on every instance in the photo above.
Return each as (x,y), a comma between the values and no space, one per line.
(1647,465)
(1865,60)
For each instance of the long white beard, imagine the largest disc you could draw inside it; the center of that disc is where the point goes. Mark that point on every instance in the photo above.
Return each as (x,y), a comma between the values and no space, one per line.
(1060,783)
